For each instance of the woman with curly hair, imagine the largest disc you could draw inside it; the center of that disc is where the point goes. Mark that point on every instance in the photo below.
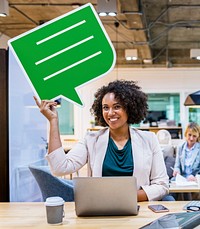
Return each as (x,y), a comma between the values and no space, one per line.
(116,150)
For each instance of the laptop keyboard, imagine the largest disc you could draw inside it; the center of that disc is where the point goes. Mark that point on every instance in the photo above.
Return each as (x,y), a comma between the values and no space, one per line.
(192,203)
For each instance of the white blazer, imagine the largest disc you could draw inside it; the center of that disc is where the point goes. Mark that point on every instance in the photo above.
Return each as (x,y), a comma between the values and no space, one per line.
(149,166)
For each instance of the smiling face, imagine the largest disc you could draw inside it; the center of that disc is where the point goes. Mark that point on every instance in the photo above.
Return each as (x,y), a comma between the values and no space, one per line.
(113,112)
(191,137)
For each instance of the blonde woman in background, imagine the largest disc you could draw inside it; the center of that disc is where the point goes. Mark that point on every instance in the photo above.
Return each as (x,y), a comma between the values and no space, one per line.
(187,161)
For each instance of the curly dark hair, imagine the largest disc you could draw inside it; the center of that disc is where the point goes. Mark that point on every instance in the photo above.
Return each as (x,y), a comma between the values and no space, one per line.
(128,94)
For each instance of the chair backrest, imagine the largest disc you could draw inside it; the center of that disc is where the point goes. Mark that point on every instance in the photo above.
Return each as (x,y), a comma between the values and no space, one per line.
(164,137)
(52,186)
(168,151)
(165,141)
(169,158)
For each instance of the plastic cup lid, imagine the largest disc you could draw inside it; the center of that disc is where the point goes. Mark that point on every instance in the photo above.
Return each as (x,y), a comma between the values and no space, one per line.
(54,201)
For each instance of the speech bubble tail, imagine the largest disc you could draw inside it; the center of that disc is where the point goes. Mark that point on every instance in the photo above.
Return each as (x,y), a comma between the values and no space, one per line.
(73,96)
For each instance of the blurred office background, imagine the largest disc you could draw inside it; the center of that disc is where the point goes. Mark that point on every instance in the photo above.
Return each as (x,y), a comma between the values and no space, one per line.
(167,70)
(28,129)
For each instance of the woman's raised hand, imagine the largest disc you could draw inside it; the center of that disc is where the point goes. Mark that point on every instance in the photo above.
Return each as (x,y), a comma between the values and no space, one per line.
(47,108)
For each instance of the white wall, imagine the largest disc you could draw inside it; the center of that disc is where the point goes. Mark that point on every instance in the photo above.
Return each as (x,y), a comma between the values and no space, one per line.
(183,81)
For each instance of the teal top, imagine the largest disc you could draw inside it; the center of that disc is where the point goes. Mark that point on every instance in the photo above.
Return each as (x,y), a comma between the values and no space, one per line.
(118,162)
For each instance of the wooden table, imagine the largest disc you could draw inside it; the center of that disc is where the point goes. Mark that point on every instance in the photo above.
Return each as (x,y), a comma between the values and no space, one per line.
(180,189)
(172,130)
(33,215)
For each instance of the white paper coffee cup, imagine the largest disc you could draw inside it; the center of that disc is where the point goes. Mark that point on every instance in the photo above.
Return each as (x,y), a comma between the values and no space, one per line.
(54,210)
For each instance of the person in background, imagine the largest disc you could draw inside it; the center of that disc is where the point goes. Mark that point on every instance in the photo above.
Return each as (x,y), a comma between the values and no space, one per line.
(116,150)
(187,161)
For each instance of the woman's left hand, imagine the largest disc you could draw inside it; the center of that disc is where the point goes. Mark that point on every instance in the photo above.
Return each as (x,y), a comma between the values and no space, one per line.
(191,178)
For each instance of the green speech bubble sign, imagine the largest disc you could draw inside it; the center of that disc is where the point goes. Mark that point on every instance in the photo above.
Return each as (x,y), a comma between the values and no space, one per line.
(68,51)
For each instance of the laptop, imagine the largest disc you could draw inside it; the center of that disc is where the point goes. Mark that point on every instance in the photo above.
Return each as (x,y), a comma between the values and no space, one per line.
(102,196)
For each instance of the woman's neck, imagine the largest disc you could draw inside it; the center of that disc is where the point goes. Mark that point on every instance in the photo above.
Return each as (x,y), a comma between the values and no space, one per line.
(189,146)
(120,134)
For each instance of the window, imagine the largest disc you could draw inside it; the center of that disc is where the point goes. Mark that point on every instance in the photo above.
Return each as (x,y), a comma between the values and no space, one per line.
(194,115)
(66,117)
(164,106)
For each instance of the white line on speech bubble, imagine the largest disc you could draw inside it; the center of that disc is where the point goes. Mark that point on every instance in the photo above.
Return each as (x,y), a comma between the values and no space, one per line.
(64,50)
(60,32)
(72,65)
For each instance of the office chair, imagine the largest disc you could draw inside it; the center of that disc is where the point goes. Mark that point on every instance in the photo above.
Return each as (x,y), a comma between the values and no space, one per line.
(50,185)
(164,139)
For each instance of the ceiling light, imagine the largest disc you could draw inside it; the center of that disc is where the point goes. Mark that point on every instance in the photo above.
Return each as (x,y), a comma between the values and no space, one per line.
(107,7)
(134,58)
(112,14)
(4,8)
(193,99)
(128,58)
(195,54)
(148,61)
(131,54)
(102,14)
